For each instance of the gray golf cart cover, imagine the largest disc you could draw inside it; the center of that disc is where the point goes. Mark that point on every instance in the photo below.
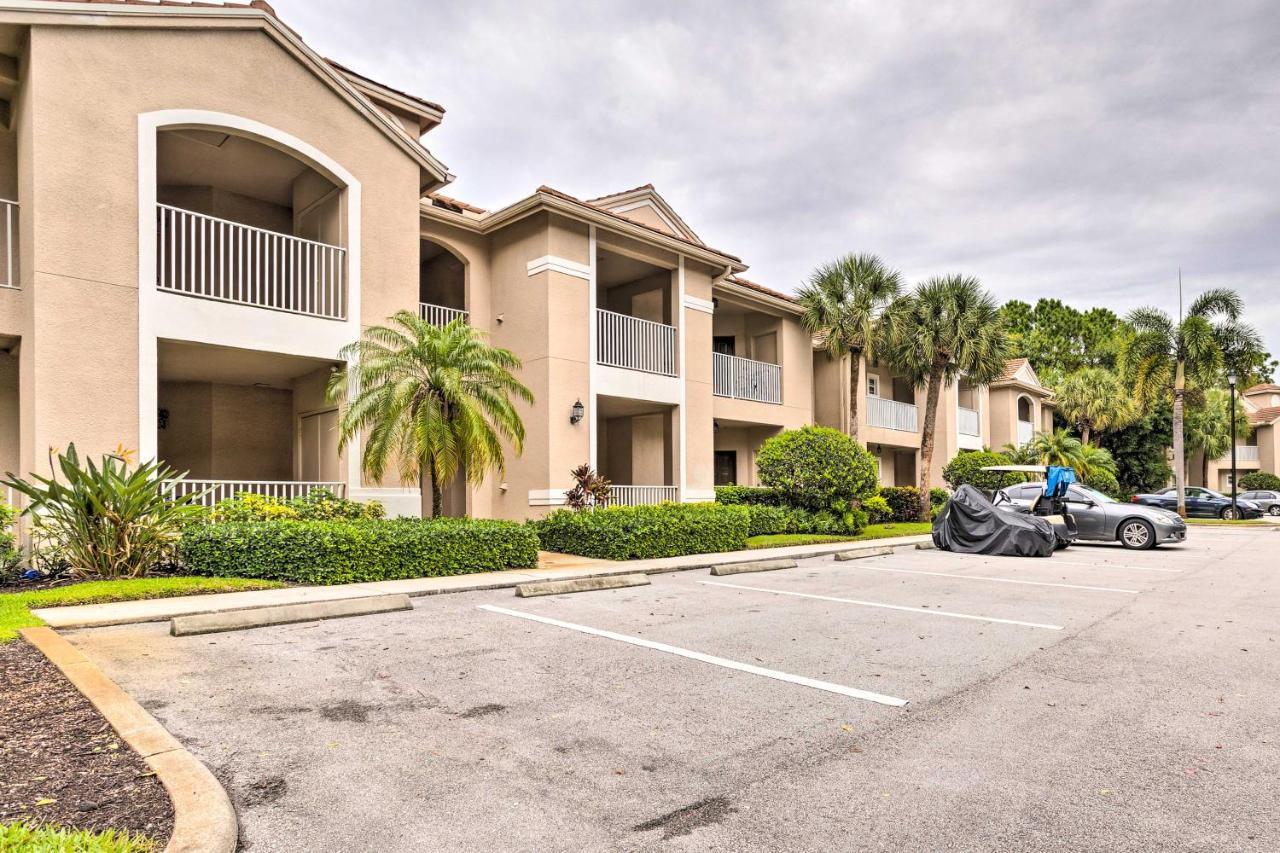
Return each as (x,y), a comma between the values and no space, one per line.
(969,524)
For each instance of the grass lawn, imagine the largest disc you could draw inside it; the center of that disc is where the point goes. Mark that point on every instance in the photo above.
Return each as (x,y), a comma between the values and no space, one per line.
(1218,522)
(15,607)
(49,839)
(873,531)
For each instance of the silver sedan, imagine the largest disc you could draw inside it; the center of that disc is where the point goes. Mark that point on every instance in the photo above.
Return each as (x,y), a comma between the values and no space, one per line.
(1268,501)
(1103,519)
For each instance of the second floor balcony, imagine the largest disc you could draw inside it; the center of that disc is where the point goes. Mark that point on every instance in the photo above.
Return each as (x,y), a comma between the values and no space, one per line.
(891,414)
(635,344)
(213,258)
(9,244)
(440,315)
(967,422)
(746,379)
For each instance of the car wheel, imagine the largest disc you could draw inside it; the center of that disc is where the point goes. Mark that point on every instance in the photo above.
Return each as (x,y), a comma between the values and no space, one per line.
(1275,509)
(1228,514)
(1137,535)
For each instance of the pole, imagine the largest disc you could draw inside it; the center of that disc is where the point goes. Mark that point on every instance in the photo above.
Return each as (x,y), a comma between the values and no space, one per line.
(1235,506)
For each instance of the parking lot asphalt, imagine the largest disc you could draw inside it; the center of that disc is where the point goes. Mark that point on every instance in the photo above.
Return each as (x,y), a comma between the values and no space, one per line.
(1099,699)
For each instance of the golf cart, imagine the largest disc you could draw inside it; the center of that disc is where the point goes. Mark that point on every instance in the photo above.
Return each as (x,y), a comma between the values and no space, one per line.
(1051,505)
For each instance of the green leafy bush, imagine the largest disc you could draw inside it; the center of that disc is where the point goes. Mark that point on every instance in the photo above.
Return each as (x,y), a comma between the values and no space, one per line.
(750,495)
(10,556)
(106,520)
(965,469)
(904,502)
(316,505)
(1105,482)
(644,532)
(343,551)
(877,509)
(1259,480)
(767,519)
(817,468)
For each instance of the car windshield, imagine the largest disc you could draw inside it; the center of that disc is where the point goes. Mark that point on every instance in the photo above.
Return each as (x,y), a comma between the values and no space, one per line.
(1097,496)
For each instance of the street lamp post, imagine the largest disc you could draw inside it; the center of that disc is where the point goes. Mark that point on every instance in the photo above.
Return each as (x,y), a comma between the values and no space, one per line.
(1235,506)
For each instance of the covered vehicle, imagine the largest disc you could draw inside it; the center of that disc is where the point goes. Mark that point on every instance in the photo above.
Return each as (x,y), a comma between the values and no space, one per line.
(1102,519)
(971,524)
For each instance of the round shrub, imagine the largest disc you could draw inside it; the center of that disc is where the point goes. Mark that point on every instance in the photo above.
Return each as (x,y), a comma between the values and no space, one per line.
(966,469)
(767,519)
(1105,482)
(877,509)
(1259,480)
(816,467)
(903,501)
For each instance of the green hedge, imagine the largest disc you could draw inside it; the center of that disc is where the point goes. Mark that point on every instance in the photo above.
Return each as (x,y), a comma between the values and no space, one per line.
(644,532)
(1259,481)
(904,502)
(966,468)
(793,519)
(750,495)
(331,552)
(817,468)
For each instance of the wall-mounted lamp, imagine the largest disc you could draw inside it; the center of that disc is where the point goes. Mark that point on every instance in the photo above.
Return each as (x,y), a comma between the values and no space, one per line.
(503,487)
(578,411)
(162,418)
(715,426)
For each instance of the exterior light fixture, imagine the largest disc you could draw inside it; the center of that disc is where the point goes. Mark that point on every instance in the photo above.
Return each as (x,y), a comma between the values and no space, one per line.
(715,426)
(578,411)
(162,418)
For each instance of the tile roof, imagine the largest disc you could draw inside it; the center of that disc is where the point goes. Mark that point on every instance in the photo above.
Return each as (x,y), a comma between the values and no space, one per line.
(1268,415)
(552,191)
(1011,368)
(454,204)
(432,105)
(1262,388)
(736,279)
(624,192)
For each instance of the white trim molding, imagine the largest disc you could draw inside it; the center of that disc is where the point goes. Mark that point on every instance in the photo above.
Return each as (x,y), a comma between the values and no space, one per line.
(696,496)
(684,409)
(699,304)
(547,497)
(561,265)
(593,425)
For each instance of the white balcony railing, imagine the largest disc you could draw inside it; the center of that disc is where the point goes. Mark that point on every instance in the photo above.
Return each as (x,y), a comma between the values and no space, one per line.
(1244,453)
(890,414)
(745,379)
(281,490)
(9,244)
(1026,432)
(214,258)
(967,422)
(641,495)
(635,344)
(438,315)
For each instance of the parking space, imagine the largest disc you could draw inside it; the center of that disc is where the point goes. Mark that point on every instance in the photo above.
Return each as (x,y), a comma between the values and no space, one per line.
(920,699)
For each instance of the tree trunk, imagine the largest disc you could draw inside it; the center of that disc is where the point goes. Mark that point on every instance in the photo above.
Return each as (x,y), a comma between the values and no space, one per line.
(927,437)
(1204,469)
(855,390)
(1084,434)
(1179,443)
(437,494)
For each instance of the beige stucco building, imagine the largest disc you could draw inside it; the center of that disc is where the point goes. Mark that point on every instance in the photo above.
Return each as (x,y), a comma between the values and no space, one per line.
(184,253)
(1259,452)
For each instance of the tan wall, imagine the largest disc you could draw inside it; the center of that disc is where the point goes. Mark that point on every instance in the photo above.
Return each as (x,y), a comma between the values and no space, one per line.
(78,176)
(697,416)
(745,442)
(224,204)
(227,432)
(9,408)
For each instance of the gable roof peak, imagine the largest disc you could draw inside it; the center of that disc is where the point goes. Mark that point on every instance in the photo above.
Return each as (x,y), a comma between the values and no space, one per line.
(648,207)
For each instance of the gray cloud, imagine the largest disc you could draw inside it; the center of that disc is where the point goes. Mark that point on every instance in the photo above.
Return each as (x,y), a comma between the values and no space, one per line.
(1084,150)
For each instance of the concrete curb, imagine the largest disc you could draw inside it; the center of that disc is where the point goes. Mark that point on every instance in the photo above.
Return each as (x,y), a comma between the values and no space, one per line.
(530,590)
(285,614)
(754,566)
(203,819)
(845,556)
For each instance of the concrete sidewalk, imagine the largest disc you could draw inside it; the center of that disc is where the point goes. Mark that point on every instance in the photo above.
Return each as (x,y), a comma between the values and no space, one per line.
(557,567)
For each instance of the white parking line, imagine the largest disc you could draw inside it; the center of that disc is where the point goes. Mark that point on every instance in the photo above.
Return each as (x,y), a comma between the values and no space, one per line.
(1050,562)
(927,610)
(854,565)
(851,692)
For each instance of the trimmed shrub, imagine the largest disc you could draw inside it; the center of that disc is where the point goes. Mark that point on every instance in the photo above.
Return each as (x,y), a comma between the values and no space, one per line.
(767,519)
(316,505)
(904,502)
(750,495)
(817,468)
(1105,482)
(10,556)
(644,532)
(331,552)
(966,469)
(877,509)
(1259,480)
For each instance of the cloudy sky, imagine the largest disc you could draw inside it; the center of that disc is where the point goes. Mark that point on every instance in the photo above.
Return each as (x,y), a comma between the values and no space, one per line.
(1085,150)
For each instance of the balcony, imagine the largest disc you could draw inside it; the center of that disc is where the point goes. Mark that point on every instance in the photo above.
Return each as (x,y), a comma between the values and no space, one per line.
(9,245)
(218,490)
(1026,432)
(891,414)
(1244,453)
(212,258)
(438,315)
(746,379)
(635,344)
(642,495)
(967,422)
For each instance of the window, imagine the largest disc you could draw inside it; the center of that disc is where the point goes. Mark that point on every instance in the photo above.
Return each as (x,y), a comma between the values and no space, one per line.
(873,385)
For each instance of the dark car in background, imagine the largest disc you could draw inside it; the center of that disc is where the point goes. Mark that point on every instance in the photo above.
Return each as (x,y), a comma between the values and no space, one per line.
(1267,501)
(1099,518)
(1201,503)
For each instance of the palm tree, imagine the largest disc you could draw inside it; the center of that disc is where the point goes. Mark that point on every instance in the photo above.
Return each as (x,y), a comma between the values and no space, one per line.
(1164,355)
(431,400)
(949,326)
(1062,448)
(1095,400)
(1209,428)
(841,303)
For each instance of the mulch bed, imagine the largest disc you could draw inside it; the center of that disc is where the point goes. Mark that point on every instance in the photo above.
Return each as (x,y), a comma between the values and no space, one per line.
(55,746)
